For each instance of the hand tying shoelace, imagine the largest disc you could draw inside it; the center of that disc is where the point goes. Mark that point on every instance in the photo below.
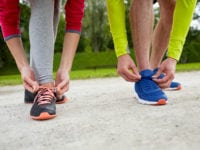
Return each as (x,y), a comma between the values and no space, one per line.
(45,95)
(44,107)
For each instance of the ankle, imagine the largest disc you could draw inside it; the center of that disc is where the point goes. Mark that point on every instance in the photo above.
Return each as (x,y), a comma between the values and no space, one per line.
(48,85)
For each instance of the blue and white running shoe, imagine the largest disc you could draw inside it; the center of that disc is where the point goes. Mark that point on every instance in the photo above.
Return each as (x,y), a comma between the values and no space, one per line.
(173,85)
(147,91)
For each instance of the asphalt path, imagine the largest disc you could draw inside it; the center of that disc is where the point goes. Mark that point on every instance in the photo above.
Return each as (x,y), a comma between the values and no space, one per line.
(103,114)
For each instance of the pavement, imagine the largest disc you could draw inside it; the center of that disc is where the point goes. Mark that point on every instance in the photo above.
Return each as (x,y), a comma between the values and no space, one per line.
(103,114)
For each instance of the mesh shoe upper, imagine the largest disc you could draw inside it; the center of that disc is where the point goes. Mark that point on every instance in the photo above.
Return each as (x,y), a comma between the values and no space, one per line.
(44,102)
(29,98)
(147,90)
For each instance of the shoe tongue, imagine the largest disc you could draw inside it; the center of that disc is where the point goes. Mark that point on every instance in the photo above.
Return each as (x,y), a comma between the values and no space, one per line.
(146,73)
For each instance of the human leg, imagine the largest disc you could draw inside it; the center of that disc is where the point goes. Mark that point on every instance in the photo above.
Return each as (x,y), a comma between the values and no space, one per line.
(146,90)
(42,40)
(161,32)
(36,46)
(161,36)
(43,29)
(141,17)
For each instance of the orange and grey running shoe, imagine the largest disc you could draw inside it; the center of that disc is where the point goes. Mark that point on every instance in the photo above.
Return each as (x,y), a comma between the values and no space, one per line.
(44,107)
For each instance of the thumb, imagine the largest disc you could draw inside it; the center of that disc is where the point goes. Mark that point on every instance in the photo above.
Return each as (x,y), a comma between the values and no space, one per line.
(32,85)
(60,86)
(135,71)
(158,73)
(35,86)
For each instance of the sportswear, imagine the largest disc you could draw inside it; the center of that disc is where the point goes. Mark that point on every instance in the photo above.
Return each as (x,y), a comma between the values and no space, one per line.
(116,17)
(179,31)
(10,17)
(180,26)
(43,24)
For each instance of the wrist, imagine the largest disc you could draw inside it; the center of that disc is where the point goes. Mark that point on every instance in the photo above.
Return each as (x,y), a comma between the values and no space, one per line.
(65,69)
(23,67)
(123,55)
(172,60)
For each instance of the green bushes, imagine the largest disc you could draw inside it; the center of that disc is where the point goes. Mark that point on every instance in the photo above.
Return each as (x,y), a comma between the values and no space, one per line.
(95,41)
(90,60)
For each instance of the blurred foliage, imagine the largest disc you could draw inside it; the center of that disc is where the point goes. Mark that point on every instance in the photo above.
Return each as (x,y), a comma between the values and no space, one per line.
(95,38)
(90,60)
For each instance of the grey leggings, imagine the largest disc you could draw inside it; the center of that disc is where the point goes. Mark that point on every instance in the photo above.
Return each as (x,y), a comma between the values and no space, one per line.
(42,31)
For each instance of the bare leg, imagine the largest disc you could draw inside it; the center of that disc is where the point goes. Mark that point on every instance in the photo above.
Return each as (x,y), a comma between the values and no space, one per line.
(141,17)
(162,32)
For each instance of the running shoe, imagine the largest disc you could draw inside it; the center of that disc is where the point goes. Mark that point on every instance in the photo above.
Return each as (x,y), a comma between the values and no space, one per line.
(147,91)
(29,98)
(44,107)
(173,86)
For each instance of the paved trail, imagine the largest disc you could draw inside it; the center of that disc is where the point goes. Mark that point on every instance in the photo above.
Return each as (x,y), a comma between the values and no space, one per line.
(103,114)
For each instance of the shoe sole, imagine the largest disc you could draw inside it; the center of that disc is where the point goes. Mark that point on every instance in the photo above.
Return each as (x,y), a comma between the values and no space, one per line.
(146,102)
(43,116)
(174,89)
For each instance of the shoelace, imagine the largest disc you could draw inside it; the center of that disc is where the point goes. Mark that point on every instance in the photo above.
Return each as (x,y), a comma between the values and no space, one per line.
(148,84)
(45,95)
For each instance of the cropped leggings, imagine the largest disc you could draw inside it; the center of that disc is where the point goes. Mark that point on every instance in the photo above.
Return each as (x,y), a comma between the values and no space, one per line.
(42,31)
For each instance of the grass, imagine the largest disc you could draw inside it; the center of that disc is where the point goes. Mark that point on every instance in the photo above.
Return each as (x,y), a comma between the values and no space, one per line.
(188,67)
(92,73)
(77,74)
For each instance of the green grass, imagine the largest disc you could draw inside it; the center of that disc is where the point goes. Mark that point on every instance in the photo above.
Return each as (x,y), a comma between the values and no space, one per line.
(188,67)
(10,80)
(77,74)
(91,73)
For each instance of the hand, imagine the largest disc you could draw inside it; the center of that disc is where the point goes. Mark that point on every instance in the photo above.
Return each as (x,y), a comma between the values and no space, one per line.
(168,67)
(62,82)
(127,68)
(28,79)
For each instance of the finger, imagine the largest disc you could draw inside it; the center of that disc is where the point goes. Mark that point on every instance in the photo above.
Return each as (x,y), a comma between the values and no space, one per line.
(129,76)
(35,87)
(126,78)
(165,85)
(27,87)
(31,85)
(62,84)
(136,72)
(163,80)
(60,92)
(158,73)
(62,87)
